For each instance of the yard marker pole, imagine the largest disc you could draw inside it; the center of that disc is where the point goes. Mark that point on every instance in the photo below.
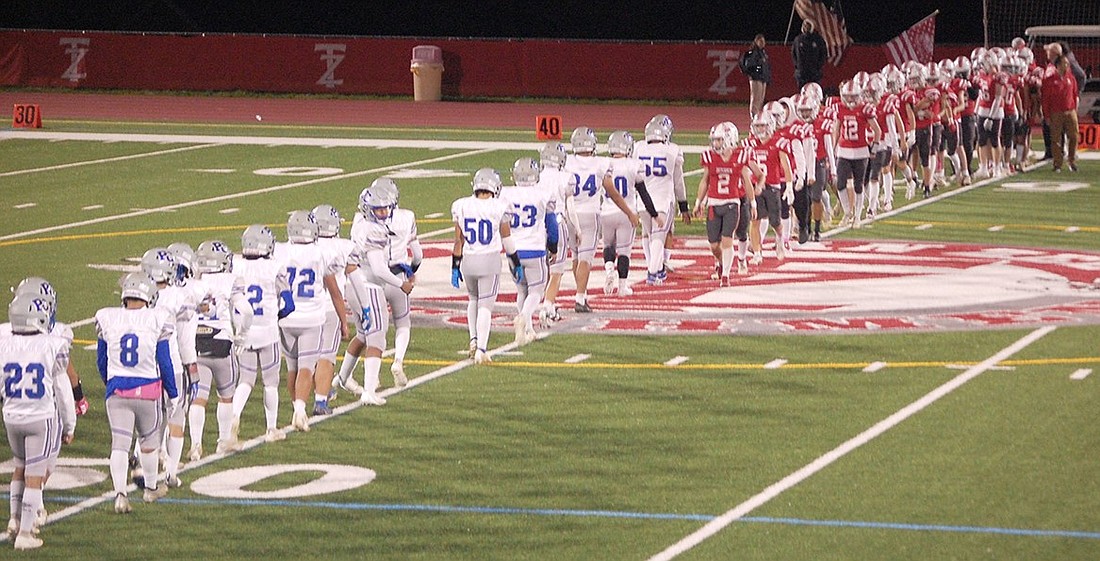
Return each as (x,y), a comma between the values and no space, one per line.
(731,516)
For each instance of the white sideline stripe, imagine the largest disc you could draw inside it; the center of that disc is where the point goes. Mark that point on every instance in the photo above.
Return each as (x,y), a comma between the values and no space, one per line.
(964,367)
(277,141)
(171,208)
(777,363)
(1070,230)
(434,215)
(577,358)
(92,502)
(997,228)
(923,227)
(676,361)
(1081,374)
(100,161)
(714,526)
(874,367)
(26,205)
(92,207)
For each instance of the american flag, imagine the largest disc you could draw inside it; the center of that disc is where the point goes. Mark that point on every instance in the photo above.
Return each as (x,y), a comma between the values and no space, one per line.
(916,43)
(830,24)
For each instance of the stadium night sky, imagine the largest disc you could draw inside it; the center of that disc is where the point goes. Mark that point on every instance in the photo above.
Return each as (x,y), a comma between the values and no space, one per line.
(737,21)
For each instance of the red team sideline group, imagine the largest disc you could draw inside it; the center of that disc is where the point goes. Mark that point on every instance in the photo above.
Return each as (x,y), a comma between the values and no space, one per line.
(196,320)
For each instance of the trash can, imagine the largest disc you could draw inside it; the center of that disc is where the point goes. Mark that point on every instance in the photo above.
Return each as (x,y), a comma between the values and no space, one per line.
(427,71)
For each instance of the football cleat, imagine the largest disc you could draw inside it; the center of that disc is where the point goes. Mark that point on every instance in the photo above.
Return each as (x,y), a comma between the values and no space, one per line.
(371,398)
(625,290)
(910,189)
(756,259)
(780,251)
(352,386)
(742,267)
(155,494)
(473,348)
(724,281)
(582,308)
(609,284)
(717,274)
(122,504)
(173,481)
(13,526)
(482,357)
(136,475)
(26,540)
(398,370)
(321,410)
(274,435)
(520,330)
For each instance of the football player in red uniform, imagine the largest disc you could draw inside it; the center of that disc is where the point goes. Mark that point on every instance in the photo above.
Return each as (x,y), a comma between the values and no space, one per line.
(856,129)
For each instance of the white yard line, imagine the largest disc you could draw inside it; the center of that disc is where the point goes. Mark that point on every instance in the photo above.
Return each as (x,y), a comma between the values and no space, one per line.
(103,160)
(739,511)
(232,196)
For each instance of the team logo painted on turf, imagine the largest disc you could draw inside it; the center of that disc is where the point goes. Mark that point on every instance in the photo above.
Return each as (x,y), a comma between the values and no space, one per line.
(841,285)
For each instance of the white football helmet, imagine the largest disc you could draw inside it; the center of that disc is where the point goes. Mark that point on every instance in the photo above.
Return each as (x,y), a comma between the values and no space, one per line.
(861,78)
(763,126)
(526,171)
(777,111)
(806,107)
(378,201)
(301,228)
(213,256)
(915,77)
(850,93)
(185,260)
(813,89)
(875,88)
(620,143)
(30,314)
(327,219)
(583,140)
(159,264)
(895,82)
(723,136)
(257,241)
(139,286)
(36,286)
(552,155)
(486,179)
(962,67)
(659,128)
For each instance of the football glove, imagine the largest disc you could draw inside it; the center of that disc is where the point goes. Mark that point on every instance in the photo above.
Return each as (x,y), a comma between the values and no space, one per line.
(516,269)
(456,274)
(406,269)
(987,124)
(82,406)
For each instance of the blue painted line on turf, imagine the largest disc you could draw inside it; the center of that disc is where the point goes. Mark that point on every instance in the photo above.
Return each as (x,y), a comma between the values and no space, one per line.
(1023,532)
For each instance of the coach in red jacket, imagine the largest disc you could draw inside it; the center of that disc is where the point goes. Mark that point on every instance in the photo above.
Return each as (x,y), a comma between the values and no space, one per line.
(1060,98)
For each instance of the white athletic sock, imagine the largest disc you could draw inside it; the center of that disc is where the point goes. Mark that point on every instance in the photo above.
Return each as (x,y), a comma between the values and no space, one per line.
(271,406)
(401,336)
(120,470)
(372,366)
(16,499)
(240,397)
(347,367)
(225,420)
(655,259)
(175,451)
(844,202)
(859,204)
(484,325)
(742,249)
(32,501)
(727,261)
(149,461)
(872,195)
(299,406)
(196,422)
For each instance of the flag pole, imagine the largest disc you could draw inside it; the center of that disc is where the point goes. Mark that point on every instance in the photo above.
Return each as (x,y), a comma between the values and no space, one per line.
(789,22)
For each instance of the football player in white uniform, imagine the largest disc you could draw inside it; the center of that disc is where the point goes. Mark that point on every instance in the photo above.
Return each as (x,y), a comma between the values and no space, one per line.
(310,274)
(482,228)
(37,404)
(135,362)
(373,278)
(224,318)
(268,293)
(561,185)
(534,228)
(623,175)
(664,162)
(42,287)
(336,251)
(160,264)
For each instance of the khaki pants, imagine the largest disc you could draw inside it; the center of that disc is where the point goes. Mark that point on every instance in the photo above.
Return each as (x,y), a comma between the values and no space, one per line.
(756,99)
(1064,123)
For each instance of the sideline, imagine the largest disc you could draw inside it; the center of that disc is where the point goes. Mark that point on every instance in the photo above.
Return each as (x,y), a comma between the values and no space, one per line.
(738,512)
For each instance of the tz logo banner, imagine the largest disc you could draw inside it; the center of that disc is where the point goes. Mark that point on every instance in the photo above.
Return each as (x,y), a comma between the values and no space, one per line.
(333,55)
(725,62)
(76,48)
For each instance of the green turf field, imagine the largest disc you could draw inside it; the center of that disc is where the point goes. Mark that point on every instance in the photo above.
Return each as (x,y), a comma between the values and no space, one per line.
(972,444)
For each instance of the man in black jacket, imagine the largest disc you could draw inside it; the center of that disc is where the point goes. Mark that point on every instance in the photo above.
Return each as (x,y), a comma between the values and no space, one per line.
(756,66)
(808,51)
